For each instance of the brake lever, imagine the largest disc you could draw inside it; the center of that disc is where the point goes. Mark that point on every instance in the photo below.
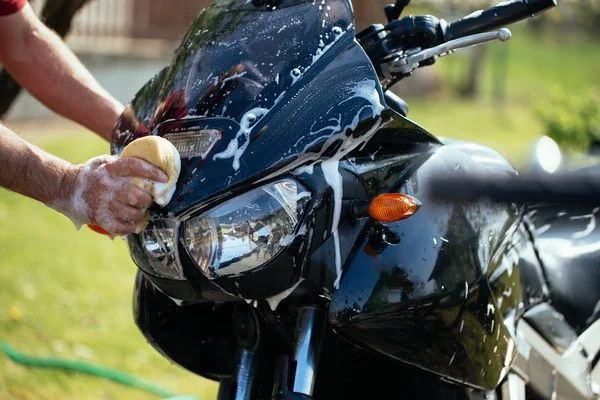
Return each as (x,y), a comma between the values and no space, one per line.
(406,62)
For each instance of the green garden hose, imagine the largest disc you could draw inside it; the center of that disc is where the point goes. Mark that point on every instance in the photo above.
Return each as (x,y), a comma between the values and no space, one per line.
(90,369)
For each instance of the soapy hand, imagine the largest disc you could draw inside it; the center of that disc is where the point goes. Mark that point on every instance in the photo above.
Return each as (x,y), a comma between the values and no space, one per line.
(100,192)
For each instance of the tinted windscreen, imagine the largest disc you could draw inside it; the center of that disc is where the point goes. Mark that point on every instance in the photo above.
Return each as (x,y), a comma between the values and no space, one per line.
(274,82)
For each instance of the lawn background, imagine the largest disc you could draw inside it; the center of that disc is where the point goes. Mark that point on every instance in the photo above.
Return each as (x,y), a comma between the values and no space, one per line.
(73,288)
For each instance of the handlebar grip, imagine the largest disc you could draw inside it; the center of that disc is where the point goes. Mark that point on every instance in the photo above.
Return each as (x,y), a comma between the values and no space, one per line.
(495,17)
(581,187)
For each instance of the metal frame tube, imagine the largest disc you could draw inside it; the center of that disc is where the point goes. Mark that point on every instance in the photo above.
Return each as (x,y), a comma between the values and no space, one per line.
(310,332)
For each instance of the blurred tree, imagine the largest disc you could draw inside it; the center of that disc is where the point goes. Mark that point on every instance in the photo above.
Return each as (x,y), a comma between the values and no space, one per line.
(57,15)
(572,120)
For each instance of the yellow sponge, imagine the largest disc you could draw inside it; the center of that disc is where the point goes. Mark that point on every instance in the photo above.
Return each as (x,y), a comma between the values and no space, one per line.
(160,152)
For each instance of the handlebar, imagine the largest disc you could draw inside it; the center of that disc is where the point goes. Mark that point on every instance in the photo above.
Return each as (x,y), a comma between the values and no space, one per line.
(412,42)
(500,15)
(581,187)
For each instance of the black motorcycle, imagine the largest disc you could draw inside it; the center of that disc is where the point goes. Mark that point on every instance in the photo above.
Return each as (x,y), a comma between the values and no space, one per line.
(302,255)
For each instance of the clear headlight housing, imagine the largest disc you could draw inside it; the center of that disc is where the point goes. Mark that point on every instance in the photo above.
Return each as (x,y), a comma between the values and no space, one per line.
(246,232)
(159,241)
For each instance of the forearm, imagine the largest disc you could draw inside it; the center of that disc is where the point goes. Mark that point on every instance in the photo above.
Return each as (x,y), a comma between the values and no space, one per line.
(31,171)
(46,67)
(98,192)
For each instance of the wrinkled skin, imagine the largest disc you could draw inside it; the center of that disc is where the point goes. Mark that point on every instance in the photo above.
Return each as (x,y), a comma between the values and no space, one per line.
(100,192)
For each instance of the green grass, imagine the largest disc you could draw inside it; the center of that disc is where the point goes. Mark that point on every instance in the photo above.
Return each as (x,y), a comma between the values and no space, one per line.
(511,130)
(74,290)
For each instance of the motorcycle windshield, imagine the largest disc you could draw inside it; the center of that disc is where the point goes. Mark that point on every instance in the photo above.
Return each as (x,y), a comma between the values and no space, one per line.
(251,88)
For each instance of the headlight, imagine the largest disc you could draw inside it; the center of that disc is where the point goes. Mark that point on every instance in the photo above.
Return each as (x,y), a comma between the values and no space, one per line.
(159,243)
(244,233)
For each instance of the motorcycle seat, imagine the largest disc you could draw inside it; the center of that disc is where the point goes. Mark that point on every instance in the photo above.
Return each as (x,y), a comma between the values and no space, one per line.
(567,239)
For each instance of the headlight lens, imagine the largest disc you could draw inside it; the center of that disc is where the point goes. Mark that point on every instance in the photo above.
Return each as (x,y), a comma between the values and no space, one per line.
(160,244)
(246,232)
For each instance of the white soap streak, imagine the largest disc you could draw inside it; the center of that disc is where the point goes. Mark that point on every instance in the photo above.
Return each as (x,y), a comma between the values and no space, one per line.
(330,168)
(333,128)
(278,99)
(366,90)
(543,229)
(232,77)
(591,225)
(452,359)
(333,178)
(234,149)
(372,157)
(338,33)
(306,161)
(277,299)
(248,121)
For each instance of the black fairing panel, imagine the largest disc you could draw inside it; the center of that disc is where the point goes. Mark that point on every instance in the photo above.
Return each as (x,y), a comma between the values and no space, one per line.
(198,337)
(568,244)
(533,280)
(423,290)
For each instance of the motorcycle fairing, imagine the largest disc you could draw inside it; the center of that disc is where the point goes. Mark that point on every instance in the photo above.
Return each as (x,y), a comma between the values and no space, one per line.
(199,337)
(276,83)
(420,290)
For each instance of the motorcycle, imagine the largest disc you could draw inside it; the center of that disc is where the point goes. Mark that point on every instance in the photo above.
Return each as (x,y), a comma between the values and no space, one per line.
(302,255)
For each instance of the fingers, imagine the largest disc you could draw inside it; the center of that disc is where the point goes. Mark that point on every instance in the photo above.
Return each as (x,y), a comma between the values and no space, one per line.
(113,201)
(122,228)
(133,196)
(125,213)
(135,167)
(120,219)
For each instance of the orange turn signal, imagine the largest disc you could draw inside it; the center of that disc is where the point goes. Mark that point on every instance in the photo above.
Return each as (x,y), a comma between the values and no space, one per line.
(391,207)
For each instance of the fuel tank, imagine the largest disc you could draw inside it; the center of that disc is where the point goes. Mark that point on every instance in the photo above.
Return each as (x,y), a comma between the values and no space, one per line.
(432,290)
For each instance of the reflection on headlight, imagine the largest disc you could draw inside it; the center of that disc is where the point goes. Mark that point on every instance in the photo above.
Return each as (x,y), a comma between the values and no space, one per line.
(159,243)
(246,232)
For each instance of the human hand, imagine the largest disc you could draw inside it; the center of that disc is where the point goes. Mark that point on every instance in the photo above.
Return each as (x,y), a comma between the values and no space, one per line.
(100,192)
